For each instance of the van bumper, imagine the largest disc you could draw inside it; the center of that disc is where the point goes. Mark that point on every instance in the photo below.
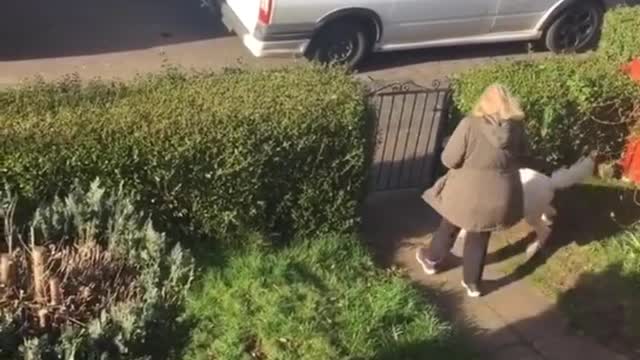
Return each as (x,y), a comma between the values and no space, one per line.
(272,40)
(260,48)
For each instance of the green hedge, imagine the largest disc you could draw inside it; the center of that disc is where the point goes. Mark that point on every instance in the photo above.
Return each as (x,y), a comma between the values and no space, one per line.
(572,103)
(621,35)
(280,151)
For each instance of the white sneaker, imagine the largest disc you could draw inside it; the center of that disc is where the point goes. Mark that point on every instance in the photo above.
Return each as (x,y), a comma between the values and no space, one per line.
(472,290)
(429,267)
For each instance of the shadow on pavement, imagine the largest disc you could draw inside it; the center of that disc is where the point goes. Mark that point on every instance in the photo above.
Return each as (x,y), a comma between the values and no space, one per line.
(33,29)
(382,61)
(584,216)
(501,324)
(392,220)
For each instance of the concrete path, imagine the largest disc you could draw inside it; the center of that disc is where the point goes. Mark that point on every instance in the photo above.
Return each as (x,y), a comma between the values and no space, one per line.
(513,321)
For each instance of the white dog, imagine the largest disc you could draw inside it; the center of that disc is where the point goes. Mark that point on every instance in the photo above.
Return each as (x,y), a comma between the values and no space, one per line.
(539,191)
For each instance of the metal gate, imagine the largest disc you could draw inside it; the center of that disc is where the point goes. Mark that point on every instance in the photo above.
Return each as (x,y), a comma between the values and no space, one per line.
(409,125)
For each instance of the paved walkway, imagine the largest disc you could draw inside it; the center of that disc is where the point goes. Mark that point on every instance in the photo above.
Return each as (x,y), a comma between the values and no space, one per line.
(513,321)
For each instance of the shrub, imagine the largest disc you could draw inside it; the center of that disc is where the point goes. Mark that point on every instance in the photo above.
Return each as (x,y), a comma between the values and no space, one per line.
(620,36)
(96,281)
(572,104)
(318,299)
(627,248)
(274,151)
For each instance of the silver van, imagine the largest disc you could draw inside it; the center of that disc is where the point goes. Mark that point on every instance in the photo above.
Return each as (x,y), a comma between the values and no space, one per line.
(346,31)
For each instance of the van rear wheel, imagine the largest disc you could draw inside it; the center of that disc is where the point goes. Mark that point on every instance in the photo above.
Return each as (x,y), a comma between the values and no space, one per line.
(340,43)
(577,29)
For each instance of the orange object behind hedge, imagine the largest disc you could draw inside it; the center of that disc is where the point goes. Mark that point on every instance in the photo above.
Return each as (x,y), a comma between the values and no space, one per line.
(632,69)
(630,161)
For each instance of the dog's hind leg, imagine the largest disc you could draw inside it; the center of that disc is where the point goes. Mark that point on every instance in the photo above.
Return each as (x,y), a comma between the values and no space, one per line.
(542,231)
(549,213)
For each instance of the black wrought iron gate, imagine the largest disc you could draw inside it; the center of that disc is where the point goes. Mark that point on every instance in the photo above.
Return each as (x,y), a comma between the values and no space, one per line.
(409,127)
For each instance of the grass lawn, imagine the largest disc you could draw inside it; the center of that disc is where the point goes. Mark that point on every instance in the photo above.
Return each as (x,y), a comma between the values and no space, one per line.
(592,264)
(318,299)
(598,286)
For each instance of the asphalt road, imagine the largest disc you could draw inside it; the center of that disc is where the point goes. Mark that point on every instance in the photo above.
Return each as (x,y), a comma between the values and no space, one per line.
(121,38)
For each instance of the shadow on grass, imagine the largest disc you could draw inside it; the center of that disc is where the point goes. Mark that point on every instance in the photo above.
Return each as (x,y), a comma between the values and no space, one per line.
(554,333)
(326,293)
(605,305)
(586,213)
(169,341)
(456,346)
(394,223)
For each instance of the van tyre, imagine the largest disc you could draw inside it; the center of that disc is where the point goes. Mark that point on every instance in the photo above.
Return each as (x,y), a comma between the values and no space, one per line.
(340,43)
(577,29)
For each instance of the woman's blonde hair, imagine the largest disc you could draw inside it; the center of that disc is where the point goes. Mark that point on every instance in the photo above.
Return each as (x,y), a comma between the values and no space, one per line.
(497,101)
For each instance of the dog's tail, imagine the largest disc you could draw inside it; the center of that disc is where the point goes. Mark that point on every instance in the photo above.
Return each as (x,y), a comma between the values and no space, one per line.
(567,177)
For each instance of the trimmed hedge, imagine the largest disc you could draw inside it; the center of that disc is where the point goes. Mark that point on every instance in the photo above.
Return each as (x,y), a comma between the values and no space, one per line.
(621,35)
(572,104)
(274,151)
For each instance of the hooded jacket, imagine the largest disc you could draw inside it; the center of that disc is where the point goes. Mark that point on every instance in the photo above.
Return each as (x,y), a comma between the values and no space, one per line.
(482,190)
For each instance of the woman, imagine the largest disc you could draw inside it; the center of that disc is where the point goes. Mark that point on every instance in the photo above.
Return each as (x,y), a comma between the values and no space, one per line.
(482,192)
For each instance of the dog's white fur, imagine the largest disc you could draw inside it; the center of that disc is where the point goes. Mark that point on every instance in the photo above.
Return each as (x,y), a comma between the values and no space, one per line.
(539,191)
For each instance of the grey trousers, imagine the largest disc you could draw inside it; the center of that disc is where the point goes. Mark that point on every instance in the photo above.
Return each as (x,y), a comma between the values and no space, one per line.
(475,250)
